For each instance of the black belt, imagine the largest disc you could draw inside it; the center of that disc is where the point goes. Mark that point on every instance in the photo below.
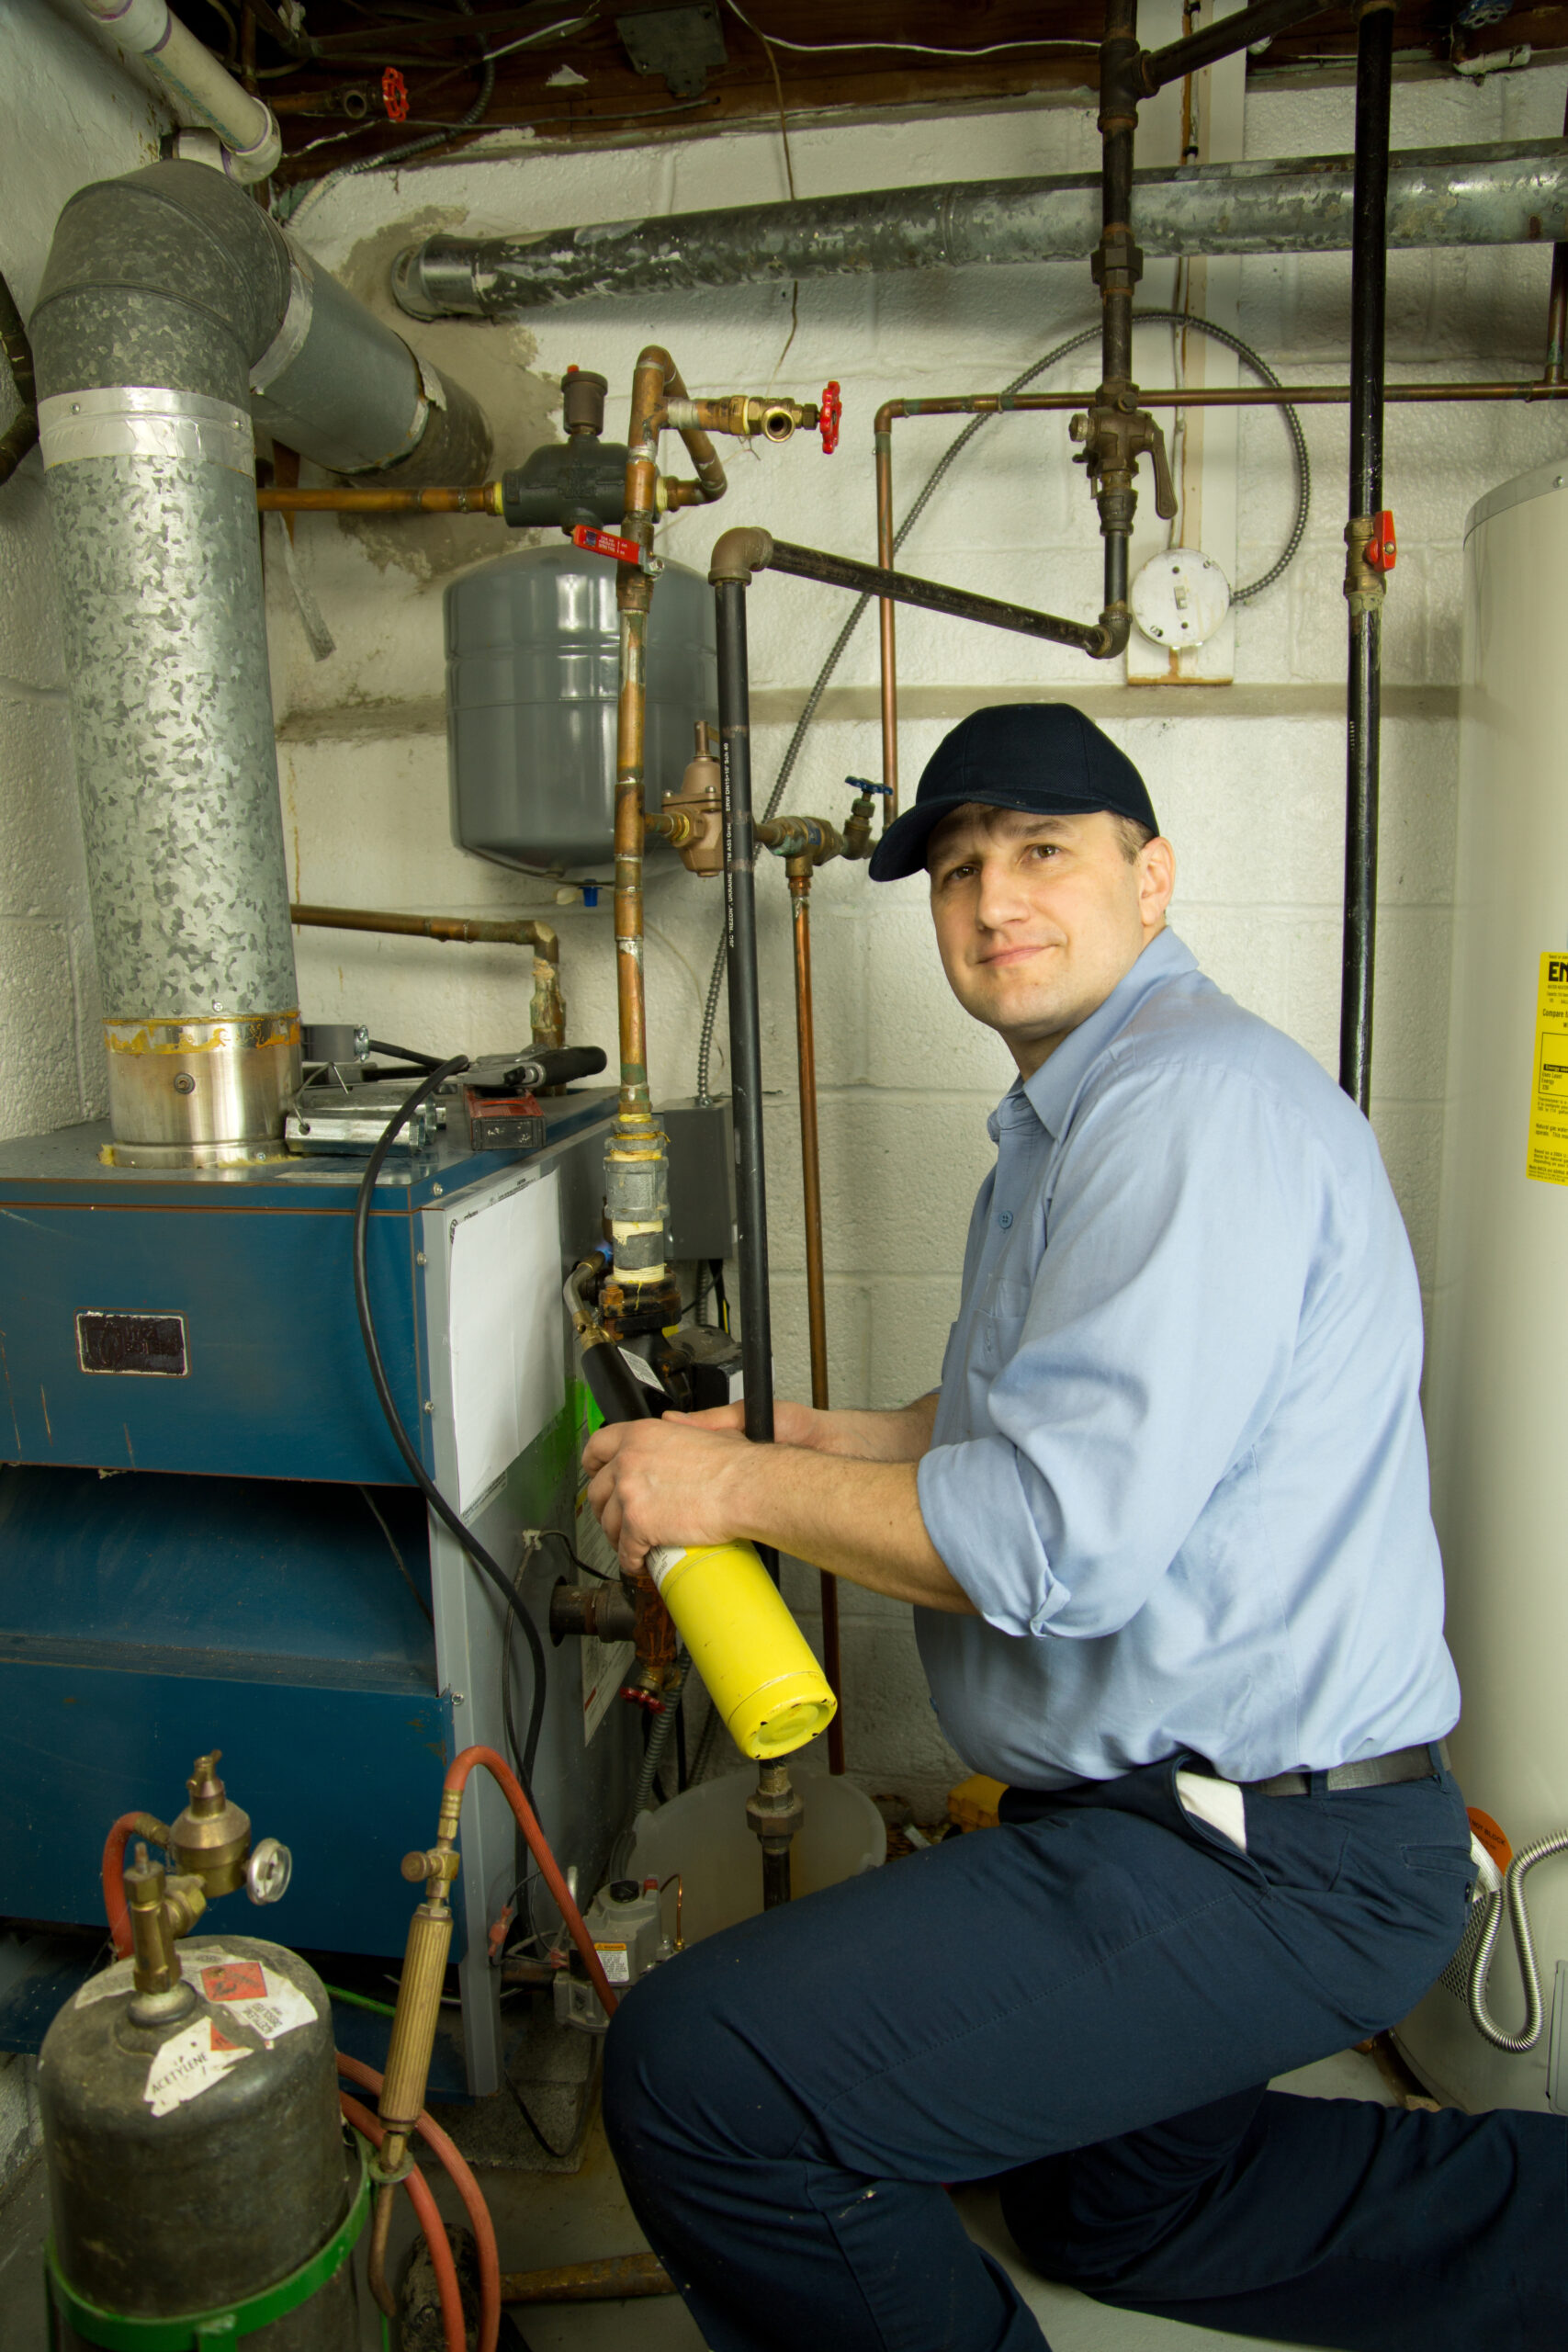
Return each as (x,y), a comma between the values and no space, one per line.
(1376,1772)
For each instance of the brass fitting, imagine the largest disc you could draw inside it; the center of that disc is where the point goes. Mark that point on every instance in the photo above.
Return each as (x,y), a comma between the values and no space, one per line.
(1114,433)
(419,1995)
(211,1838)
(743,416)
(697,812)
(1365,563)
(812,839)
(161,1910)
(858,843)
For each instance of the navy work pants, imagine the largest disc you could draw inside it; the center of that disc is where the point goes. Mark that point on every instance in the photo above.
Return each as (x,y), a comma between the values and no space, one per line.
(1087,2001)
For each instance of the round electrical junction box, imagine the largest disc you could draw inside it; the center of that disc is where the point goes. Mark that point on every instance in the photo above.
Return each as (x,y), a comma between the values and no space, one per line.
(1180,598)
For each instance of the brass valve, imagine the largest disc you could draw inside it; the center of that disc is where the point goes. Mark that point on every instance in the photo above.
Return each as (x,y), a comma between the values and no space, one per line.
(161,1910)
(744,416)
(696,813)
(1114,434)
(211,1838)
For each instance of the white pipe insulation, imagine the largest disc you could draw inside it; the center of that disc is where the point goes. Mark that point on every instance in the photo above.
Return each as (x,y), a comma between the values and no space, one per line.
(204,95)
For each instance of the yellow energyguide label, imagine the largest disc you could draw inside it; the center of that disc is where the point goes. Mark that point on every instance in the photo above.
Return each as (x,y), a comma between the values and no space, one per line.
(1547,1157)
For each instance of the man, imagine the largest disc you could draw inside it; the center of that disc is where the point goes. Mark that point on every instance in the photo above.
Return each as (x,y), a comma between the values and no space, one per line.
(1166,1531)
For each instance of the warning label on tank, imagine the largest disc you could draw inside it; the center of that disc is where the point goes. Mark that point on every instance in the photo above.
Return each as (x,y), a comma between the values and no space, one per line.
(1547,1157)
(618,1965)
(190,2062)
(252,1994)
(255,1995)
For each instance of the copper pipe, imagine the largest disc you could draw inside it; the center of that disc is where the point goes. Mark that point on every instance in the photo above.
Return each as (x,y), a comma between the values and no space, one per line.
(629,755)
(376,2268)
(479,498)
(649,392)
(610,2279)
(799,871)
(547,1009)
(1222,396)
(884,612)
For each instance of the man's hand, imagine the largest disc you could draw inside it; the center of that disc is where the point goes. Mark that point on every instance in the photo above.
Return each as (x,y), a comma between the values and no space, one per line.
(695,1479)
(662,1482)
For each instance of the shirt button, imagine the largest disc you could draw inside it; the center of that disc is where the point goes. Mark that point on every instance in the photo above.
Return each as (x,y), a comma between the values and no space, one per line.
(1005,1219)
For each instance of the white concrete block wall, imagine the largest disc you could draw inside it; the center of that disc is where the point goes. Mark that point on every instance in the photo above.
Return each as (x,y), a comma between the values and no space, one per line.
(1249,778)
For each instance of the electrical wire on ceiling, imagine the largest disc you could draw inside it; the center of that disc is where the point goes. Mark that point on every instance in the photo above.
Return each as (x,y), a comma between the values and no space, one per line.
(961,441)
(917,48)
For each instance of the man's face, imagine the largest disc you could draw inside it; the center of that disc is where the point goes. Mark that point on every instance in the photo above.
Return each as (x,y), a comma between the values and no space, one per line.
(1037,918)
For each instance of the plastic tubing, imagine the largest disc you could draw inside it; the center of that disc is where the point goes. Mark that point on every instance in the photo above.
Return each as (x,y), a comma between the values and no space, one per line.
(129,1825)
(457,1781)
(467,2189)
(430,2221)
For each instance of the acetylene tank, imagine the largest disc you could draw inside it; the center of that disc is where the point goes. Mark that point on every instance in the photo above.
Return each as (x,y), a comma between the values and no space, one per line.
(194,2143)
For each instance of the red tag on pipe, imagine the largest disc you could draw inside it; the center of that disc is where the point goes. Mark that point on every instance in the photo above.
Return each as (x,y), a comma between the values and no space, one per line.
(606,543)
(1381,548)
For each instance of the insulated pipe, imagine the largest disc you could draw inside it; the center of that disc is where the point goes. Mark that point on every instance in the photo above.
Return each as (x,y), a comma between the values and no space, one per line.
(203,95)
(167,295)
(1515,193)
(1363,581)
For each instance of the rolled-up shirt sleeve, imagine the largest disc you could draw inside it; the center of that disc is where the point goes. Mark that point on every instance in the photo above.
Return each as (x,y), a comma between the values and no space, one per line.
(1157,1335)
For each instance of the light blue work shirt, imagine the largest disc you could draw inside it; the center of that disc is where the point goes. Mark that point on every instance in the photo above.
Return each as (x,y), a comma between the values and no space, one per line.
(1179,1462)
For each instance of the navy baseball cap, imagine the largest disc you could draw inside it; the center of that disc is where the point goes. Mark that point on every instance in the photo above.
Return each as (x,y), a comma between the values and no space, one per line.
(1044,757)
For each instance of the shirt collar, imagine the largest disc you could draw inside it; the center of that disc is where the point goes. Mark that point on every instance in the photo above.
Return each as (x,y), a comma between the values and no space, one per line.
(1054,1088)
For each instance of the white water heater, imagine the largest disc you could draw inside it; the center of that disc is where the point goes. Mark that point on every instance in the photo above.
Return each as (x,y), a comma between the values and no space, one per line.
(1497,1372)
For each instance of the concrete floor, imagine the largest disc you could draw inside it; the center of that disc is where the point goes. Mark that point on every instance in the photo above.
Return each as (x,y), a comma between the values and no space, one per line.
(545,2218)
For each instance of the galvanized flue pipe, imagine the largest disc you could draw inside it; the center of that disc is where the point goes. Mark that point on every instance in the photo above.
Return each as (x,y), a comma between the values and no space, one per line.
(1507,194)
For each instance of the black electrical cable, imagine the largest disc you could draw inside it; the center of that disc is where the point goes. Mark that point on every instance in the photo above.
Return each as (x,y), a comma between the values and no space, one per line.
(406,1054)
(954,449)
(425,1483)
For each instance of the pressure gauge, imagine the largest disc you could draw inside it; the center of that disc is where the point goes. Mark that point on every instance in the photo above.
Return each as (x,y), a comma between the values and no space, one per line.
(1180,598)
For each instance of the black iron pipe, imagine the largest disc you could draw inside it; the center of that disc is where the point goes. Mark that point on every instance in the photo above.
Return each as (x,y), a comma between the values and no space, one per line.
(745,1028)
(1223,39)
(1374,78)
(955,604)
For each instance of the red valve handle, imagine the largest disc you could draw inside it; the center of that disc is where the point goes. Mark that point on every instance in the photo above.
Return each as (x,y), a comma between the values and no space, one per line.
(1382,549)
(395,95)
(831,409)
(606,543)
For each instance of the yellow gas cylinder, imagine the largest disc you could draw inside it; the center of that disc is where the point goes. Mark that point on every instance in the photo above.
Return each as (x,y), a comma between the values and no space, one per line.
(753,1656)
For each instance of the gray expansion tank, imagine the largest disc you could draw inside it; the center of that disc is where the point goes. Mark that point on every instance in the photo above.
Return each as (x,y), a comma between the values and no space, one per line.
(532,678)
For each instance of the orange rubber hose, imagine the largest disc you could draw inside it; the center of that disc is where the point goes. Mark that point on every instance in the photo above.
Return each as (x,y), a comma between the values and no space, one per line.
(467,2189)
(430,2221)
(502,1773)
(129,1825)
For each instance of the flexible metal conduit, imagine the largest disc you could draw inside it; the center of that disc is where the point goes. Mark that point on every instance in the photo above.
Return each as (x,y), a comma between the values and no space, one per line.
(1511,1898)
(173,313)
(1516,193)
